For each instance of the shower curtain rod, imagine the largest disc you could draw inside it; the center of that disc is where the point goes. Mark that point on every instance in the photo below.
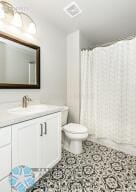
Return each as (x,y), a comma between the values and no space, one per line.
(111,42)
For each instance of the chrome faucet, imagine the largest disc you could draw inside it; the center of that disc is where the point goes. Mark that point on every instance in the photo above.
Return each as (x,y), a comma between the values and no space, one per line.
(25,101)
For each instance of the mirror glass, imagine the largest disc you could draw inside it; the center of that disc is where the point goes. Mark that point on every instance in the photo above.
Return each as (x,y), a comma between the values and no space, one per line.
(17,63)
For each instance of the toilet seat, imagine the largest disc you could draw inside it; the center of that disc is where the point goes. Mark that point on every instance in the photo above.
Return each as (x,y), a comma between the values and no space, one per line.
(75,128)
(74,134)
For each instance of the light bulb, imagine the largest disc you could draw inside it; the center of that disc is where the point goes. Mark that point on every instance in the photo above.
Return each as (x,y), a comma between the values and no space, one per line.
(2,13)
(32,28)
(17,20)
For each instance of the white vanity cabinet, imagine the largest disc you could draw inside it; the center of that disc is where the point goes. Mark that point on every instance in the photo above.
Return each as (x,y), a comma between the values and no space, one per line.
(37,143)
(25,142)
(5,158)
(50,141)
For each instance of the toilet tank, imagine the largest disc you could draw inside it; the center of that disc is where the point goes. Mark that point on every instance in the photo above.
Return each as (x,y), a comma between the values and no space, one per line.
(64,115)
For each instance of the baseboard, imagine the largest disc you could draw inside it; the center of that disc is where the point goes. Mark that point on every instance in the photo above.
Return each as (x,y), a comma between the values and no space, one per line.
(129,149)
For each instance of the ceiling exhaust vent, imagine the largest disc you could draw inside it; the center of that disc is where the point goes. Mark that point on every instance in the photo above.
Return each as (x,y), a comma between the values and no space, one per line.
(72,10)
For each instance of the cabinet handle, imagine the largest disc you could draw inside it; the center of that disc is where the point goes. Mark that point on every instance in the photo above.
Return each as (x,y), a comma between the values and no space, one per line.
(41,130)
(45,126)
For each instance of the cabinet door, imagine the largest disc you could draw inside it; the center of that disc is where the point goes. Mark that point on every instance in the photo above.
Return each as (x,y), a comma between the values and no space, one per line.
(5,158)
(5,152)
(5,161)
(25,139)
(5,186)
(51,140)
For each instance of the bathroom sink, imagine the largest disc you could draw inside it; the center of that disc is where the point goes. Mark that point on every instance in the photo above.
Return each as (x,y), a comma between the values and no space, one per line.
(32,109)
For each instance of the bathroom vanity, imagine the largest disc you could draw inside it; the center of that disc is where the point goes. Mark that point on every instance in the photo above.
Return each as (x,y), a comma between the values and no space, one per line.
(29,137)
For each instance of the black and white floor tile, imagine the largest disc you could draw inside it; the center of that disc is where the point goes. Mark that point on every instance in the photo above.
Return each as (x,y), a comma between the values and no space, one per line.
(97,169)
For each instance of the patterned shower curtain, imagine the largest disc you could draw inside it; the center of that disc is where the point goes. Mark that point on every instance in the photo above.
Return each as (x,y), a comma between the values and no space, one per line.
(108,91)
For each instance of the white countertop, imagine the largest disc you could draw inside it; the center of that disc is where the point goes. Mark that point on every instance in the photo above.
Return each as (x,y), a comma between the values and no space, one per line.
(7,118)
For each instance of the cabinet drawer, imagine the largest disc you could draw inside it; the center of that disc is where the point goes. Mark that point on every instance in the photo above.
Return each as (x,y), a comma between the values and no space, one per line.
(5,136)
(5,161)
(5,186)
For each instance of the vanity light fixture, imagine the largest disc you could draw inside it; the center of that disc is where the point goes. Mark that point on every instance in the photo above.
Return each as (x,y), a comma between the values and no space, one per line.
(10,15)
(17,21)
(2,14)
(31,26)
(7,10)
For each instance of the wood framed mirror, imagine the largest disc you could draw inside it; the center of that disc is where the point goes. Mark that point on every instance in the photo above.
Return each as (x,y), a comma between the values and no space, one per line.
(19,64)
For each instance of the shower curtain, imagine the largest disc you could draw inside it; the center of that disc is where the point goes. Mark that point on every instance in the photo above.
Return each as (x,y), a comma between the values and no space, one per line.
(108,91)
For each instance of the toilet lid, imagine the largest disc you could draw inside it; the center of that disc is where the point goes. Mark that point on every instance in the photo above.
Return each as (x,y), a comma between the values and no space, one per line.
(75,128)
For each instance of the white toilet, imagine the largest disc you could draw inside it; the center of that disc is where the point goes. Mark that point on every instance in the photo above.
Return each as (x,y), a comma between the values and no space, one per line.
(72,134)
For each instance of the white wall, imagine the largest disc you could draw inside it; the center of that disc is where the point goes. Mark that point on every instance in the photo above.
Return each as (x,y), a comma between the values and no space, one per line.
(75,42)
(53,72)
(3,62)
(73,60)
(84,42)
(53,67)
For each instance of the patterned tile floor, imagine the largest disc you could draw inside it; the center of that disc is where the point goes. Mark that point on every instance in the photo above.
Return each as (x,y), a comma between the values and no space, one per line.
(97,169)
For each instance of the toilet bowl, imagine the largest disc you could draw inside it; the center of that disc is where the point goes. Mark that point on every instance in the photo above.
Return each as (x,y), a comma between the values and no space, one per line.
(73,134)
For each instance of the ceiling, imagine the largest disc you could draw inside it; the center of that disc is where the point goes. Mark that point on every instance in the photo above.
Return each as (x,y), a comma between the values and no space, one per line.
(101,21)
